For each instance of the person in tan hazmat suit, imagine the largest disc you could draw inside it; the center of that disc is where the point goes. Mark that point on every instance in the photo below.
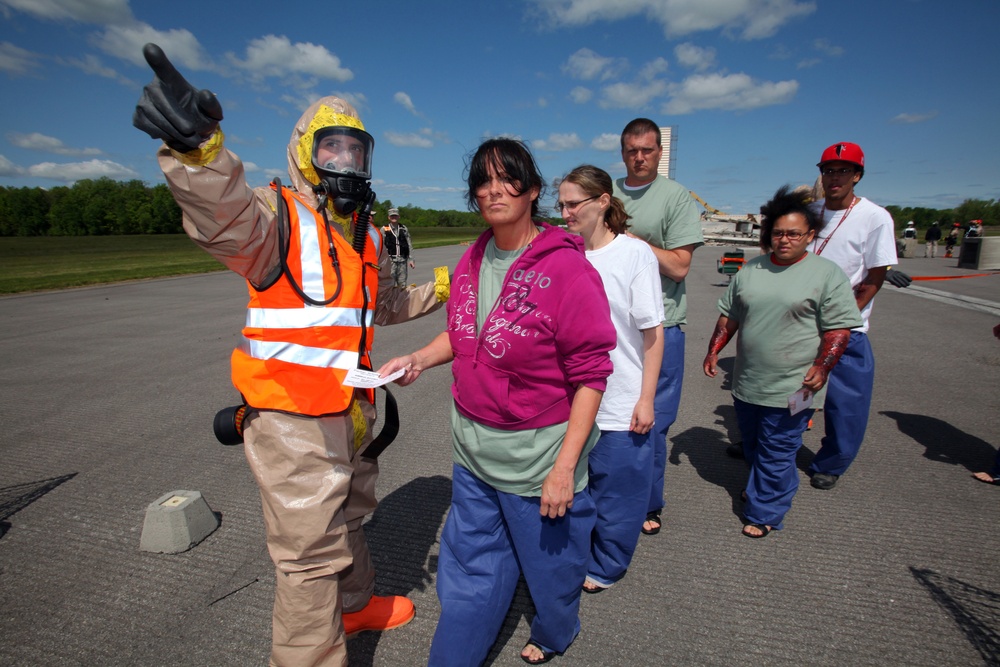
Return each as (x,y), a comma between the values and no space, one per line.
(313,300)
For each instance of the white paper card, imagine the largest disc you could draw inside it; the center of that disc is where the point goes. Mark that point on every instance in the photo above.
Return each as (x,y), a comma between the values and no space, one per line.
(369,379)
(800,400)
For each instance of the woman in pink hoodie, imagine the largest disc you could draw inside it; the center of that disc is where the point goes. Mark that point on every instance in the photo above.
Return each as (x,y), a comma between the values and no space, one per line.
(529,334)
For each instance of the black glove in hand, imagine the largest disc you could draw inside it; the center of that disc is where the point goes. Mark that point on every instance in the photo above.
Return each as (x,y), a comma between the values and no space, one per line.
(898,278)
(172,109)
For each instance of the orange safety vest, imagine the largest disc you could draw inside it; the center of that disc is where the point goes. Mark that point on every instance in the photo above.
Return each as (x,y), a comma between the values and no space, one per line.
(294,356)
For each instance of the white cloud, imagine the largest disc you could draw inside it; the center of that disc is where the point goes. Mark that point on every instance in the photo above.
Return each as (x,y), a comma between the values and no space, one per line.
(8,168)
(250,167)
(272,174)
(416,189)
(403,100)
(632,95)
(180,46)
(277,56)
(85,11)
(653,68)
(15,60)
(588,65)
(75,171)
(301,100)
(39,142)
(408,139)
(557,142)
(694,57)
(729,92)
(807,63)
(91,64)
(607,142)
(824,46)
(581,95)
(752,19)
(908,118)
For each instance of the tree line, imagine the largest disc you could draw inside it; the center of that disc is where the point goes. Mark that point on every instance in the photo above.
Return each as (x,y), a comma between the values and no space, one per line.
(108,207)
(89,208)
(104,207)
(971,209)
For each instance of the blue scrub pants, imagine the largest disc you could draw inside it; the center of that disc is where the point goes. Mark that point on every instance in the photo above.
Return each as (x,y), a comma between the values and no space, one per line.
(620,474)
(489,539)
(665,405)
(771,438)
(848,401)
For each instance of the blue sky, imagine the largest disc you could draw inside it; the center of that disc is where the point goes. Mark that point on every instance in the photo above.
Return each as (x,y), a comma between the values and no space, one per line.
(756,88)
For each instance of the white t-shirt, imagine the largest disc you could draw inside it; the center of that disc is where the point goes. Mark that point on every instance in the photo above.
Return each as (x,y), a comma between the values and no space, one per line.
(632,282)
(865,241)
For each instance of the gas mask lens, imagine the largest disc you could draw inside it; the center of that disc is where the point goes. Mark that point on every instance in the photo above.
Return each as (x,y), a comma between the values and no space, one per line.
(343,151)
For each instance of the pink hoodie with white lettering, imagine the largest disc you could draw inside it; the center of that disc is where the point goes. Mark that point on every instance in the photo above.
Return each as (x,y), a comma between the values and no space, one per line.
(549,332)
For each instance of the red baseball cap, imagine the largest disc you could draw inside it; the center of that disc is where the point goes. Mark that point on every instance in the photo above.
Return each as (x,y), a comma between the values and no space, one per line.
(845,152)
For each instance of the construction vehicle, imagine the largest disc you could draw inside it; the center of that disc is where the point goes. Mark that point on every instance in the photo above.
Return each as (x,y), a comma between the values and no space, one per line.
(745,224)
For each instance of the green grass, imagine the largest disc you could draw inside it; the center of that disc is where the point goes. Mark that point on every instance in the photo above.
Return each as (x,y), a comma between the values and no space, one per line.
(430,237)
(58,262)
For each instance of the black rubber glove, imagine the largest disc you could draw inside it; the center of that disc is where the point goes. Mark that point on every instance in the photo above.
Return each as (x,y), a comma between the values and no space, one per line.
(172,109)
(898,278)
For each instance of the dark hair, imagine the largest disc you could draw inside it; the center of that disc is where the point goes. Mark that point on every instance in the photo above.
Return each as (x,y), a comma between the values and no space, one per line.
(596,182)
(508,158)
(784,202)
(639,127)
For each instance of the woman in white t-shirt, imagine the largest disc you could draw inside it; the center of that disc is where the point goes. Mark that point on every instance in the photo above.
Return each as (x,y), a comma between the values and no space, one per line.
(621,463)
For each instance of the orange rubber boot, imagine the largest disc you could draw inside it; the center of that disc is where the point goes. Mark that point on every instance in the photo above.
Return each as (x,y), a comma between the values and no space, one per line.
(381,613)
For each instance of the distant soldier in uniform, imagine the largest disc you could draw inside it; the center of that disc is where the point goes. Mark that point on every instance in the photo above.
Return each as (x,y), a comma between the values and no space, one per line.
(399,247)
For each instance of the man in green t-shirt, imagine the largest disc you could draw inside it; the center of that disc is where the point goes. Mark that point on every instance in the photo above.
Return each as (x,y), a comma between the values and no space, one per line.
(664,215)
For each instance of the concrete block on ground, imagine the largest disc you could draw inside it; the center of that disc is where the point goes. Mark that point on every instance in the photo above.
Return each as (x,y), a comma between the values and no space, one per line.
(177,521)
(980,252)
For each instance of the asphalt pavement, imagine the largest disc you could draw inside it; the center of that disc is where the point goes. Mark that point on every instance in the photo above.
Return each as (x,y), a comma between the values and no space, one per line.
(108,395)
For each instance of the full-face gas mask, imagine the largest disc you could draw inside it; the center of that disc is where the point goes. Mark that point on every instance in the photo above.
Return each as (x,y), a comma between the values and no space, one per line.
(342,157)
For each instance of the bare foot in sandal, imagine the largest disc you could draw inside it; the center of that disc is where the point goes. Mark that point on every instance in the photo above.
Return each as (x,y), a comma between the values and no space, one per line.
(986,477)
(756,530)
(533,654)
(652,524)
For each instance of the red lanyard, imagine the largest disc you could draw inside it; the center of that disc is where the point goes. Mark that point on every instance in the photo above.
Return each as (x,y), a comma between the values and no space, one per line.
(823,217)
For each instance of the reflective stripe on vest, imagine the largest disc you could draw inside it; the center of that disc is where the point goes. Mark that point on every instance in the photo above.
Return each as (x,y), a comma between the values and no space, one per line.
(309,316)
(312,261)
(291,353)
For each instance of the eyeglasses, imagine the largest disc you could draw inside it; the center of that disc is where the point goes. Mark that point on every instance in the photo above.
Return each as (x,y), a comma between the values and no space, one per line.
(792,235)
(843,171)
(572,205)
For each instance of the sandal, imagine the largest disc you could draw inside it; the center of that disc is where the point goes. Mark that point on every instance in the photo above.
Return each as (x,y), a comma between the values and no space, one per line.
(592,587)
(652,517)
(764,530)
(986,478)
(546,655)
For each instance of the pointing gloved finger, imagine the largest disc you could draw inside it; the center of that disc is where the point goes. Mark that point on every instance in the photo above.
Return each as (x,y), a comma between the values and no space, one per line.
(165,71)
(173,110)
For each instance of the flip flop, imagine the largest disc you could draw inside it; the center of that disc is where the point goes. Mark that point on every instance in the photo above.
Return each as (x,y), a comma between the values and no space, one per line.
(597,588)
(546,655)
(764,530)
(652,517)
(994,479)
